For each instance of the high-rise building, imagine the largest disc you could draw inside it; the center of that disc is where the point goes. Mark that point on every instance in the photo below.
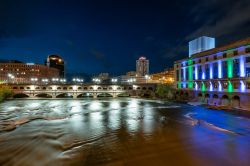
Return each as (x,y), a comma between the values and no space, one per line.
(201,44)
(142,66)
(57,62)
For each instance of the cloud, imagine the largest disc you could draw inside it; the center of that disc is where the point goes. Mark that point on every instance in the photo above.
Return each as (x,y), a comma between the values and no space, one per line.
(229,17)
(224,19)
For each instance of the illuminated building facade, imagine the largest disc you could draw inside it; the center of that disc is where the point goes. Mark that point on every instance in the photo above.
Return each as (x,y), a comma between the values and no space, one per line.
(220,76)
(142,66)
(18,72)
(57,62)
(131,73)
(201,44)
(165,77)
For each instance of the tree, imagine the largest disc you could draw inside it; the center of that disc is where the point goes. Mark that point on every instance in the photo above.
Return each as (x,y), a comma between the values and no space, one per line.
(165,91)
(5,92)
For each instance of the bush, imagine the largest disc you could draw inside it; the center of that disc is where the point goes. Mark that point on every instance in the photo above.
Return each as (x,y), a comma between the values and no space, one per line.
(165,91)
(5,93)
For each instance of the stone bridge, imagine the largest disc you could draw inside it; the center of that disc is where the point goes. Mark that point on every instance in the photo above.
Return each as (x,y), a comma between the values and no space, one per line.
(81,91)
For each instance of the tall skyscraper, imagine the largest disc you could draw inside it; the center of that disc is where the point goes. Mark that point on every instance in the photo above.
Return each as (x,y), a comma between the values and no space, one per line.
(57,62)
(201,44)
(142,66)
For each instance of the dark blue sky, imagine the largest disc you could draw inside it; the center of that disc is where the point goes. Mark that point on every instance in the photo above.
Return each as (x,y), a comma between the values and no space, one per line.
(108,36)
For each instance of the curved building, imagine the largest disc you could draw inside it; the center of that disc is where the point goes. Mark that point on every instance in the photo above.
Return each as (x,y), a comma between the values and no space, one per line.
(57,62)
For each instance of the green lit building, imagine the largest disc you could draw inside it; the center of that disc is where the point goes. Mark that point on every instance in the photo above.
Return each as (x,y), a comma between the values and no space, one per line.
(218,76)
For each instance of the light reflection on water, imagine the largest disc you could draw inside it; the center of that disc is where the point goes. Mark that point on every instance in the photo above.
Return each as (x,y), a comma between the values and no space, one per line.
(120,131)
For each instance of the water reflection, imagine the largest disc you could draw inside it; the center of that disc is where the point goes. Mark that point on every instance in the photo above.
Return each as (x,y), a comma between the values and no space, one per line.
(119,131)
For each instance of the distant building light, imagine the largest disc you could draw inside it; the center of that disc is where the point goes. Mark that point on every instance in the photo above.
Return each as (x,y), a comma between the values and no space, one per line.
(30,63)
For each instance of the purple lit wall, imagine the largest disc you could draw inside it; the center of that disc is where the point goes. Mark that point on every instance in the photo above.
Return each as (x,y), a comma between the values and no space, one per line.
(211,71)
(196,72)
(219,86)
(242,67)
(242,86)
(219,69)
(211,86)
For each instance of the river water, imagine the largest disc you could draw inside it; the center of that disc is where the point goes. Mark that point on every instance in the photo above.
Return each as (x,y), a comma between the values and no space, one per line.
(123,131)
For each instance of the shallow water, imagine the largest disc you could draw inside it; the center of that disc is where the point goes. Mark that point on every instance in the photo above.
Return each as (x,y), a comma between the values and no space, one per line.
(120,132)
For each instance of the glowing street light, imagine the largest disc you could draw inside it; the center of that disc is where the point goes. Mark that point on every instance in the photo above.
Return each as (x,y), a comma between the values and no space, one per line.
(45,80)
(63,80)
(96,80)
(11,76)
(114,80)
(34,79)
(131,80)
(78,80)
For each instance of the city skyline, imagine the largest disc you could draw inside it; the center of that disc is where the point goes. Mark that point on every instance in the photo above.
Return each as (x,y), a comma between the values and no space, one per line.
(101,34)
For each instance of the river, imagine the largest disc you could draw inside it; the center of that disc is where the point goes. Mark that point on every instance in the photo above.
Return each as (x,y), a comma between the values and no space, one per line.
(122,131)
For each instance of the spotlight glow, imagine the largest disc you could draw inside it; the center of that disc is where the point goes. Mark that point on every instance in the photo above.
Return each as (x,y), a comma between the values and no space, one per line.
(219,70)
(219,86)
(242,86)
(242,67)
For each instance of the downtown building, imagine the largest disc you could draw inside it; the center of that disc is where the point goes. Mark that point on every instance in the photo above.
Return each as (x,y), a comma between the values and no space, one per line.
(56,61)
(142,66)
(216,76)
(21,73)
(140,76)
(165,77)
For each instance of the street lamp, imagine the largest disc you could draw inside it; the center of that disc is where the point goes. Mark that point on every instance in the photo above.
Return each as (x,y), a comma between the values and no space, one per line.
(114,80)
(63,80)
(131,80)
(96,80)
(147,77)
(45,80)
(78,80)
(11,76)
(34,80)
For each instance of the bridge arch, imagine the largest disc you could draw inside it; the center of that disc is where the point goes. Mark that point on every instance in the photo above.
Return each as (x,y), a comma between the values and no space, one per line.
(236,101)
(43,95)
(124,94)
(225,100)
(20,95)
(85,95)
(104,94)
(64,95)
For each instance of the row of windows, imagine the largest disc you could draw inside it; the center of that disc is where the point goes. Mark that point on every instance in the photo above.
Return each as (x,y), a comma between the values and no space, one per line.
(224,55)
(215,85)
(206,74)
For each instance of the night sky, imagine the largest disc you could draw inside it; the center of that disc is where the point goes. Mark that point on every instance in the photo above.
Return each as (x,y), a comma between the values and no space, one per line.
(108,36)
